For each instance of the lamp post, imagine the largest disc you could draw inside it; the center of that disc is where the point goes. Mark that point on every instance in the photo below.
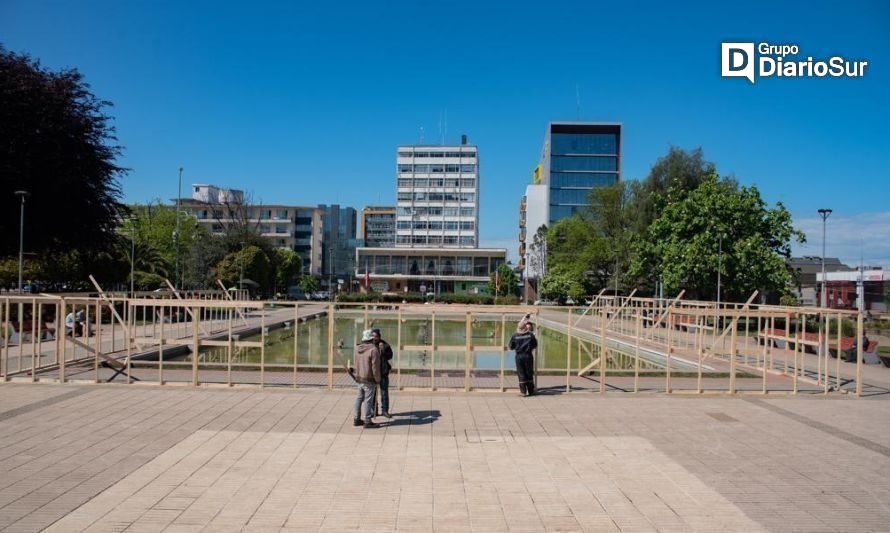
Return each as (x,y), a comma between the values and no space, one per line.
(824,213)
(719,267)
(22,194)
(331,272)
(132,257)
(176,280)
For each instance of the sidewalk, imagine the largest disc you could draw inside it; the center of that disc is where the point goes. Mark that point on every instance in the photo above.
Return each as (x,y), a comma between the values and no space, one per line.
(109,458)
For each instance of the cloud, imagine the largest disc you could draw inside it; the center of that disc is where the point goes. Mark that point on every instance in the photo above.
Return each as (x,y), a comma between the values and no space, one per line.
(847,238)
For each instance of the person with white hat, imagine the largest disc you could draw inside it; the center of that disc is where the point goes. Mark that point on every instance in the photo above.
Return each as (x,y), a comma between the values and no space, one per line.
(524,343)
(367,376)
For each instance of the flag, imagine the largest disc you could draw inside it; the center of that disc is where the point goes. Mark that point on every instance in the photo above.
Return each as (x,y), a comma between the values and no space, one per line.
(497,282)
(367,278)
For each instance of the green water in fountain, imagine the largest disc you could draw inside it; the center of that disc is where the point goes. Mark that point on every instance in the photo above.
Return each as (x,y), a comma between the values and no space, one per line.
(311,342)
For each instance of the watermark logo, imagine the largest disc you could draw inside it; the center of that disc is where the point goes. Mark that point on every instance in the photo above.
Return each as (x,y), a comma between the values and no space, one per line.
(738,60)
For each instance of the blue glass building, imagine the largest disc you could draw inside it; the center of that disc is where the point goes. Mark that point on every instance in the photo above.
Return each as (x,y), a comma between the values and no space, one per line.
(577,157)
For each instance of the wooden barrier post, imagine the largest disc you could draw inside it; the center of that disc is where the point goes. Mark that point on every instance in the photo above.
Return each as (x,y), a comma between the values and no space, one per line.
(568,350)
(399,349)
(433,351)
(859,350)
(330,346)
(503,347)
(468,350)
(296,341)
(733,339)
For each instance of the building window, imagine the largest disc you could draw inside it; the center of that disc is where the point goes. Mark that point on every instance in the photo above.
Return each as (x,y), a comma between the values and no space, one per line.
(480,266)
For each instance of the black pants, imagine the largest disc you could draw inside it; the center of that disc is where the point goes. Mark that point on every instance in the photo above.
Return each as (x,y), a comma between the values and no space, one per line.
(525,371)
(384,393)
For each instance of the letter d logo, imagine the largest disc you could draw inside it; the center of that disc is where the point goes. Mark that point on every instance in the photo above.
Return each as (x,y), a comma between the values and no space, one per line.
(737,60)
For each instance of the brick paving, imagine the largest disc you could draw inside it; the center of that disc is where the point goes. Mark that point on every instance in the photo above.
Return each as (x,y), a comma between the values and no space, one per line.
(134,458)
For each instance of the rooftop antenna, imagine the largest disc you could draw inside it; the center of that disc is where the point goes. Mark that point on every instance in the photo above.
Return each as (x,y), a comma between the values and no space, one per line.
(441,137)
(578,101)
(445,134)
(421,135)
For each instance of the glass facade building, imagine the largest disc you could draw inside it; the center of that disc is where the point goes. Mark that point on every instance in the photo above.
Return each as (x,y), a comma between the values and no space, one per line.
(578,157)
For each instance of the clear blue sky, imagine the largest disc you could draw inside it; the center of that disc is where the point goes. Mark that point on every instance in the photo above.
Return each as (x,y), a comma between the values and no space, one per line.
(305,104)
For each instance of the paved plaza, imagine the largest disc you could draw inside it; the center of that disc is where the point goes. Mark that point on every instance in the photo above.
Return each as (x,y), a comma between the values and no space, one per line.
(139,458)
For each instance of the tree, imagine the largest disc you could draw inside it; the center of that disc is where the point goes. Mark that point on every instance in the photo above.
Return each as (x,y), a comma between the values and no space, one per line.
(537,257)
(503,281)
(680,170)
(719,224)
(249,263)
(559,286)
(288,266)
(308,284)
(575,251)
(57,142)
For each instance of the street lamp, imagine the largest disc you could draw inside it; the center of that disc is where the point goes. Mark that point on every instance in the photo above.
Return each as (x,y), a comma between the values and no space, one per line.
(176,279)
(824,213)
(22,194)
(719,266)
(132,257)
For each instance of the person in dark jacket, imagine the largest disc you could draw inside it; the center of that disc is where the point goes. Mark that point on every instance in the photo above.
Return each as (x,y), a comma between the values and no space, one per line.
(524,343)
(385,367)
(367,376)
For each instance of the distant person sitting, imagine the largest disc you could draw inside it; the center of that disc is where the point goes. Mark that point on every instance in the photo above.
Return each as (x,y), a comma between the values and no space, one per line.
(70,324)
(74,323)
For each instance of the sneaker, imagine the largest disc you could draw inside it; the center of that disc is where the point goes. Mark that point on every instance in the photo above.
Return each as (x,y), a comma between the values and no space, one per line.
(357,422)
(387,414)
(371,425)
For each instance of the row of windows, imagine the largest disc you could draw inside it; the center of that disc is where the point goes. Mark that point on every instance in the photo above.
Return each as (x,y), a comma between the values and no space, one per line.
(437,197)
(438,224)
(584,143)
(425,169)
(569,196)
(436,240)
(430,265)
(560,163)
(404,153)
(559,212)
(437,211)
(437,182)
(582,179)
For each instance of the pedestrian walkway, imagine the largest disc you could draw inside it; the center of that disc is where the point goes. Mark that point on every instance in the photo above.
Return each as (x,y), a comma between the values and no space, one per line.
(114,458)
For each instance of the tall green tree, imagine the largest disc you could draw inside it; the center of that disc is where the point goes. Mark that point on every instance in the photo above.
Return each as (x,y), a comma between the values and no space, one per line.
(719,225)
(288,267)
(58,143)
(250,263)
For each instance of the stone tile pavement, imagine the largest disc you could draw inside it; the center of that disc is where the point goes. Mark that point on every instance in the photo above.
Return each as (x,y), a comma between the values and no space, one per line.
(137,458)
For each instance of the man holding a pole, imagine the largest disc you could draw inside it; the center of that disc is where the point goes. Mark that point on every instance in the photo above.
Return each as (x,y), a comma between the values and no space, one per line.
(367,376)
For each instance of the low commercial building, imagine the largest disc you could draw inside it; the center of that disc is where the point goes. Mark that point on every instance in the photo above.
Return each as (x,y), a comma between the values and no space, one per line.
(863,289)
(428,270)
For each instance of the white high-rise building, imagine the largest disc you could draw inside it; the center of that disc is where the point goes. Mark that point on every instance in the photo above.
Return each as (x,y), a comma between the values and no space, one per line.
(437,194)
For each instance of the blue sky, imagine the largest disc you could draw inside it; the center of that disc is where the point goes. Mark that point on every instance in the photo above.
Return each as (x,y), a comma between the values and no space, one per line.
(305,103)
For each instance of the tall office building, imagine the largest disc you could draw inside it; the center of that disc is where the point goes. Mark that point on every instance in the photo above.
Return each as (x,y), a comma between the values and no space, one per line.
(437,196)
(378,226)
(437,227)
(576,158)
(339,242)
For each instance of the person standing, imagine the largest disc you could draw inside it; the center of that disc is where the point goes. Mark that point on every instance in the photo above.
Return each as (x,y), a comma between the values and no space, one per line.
(385,367)
(524,343)
(367,376)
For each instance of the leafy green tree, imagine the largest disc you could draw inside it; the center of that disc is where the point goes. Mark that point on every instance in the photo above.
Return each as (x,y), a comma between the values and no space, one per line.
(719,223)
(679,170)
(155,225)
(308,284)
(288,266)
(559,286)
(58,143)
(576,251)
(249,263)
(506,282)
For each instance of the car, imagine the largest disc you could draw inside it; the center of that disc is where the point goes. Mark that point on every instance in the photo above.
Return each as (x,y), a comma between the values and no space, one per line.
(545,302)
(295,293)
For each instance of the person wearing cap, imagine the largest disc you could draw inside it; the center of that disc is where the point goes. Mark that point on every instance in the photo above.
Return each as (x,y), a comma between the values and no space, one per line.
(367,376)
(385,367)
(523,342)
